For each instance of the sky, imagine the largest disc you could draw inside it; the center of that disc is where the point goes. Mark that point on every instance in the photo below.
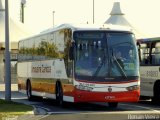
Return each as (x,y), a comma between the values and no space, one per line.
(142,14)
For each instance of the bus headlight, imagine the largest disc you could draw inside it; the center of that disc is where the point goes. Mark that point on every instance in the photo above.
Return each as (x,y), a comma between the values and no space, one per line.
(132,88)
(80,87)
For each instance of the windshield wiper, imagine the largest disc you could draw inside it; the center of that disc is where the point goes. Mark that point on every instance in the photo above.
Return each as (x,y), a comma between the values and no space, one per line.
(100,66)
(118,64)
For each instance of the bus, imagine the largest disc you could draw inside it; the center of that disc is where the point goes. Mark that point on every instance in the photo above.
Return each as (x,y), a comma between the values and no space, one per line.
(72,63)
(149,54)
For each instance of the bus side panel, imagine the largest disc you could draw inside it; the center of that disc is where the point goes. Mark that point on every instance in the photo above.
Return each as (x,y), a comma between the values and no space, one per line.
(43,76)
(68,89)
(23,74)
(41,87)
(149,74)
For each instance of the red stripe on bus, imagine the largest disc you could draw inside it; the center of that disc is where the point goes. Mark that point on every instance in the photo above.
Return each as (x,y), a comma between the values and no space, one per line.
(86,96)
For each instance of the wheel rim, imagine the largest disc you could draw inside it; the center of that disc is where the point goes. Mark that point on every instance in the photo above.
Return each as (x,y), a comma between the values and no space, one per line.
(29,90)
(157,91)
(57,92)
(59,95)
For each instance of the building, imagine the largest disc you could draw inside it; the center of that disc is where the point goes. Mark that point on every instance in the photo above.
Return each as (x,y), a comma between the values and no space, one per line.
(117,17)
(17,32)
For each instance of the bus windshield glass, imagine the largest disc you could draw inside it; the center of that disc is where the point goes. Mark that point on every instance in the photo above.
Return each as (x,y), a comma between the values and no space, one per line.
(101,55)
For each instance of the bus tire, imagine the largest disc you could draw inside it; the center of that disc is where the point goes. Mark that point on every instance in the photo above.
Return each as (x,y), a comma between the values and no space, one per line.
(59,94)
(29,90)
(156,97)
(113,104)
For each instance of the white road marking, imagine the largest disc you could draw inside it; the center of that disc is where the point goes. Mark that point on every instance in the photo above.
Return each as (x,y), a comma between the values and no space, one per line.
(138,106)
(151,111)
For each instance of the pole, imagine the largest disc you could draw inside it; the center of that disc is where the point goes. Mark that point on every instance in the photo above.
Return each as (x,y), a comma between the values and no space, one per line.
(23,2)
(7,56)
(22,12)
(53,18)
(93,11)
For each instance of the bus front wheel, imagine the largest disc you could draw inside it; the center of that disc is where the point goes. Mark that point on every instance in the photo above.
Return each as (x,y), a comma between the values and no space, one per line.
(59,94)
(156,97)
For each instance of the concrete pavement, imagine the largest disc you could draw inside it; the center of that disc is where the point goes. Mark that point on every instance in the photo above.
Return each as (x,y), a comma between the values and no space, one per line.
(14,87)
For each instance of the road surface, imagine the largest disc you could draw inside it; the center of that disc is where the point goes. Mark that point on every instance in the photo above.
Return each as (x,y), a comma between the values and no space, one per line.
(48,109)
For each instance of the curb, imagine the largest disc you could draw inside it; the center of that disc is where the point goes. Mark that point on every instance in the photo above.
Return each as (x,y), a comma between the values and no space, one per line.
(36,114)
(40,110)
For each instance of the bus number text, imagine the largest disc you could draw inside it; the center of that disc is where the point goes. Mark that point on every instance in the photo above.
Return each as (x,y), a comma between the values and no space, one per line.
(152,73)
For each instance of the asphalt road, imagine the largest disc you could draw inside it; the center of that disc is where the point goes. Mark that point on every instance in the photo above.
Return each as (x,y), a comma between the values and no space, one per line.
(49,110)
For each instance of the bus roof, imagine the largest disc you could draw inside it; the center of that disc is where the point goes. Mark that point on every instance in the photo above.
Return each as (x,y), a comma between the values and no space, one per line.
(89,27)
(107,27)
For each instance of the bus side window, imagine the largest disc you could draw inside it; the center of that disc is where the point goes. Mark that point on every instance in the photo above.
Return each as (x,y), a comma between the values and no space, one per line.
(153,57)
(145,56)
(143,53)
(157,56)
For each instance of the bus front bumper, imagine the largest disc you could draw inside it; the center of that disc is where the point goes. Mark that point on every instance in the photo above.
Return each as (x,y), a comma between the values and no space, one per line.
(87,96)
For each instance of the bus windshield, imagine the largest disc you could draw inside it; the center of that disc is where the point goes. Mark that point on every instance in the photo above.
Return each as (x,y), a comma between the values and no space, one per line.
(100,55)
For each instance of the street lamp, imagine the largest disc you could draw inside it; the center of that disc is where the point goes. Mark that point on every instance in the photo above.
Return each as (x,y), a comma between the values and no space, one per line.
(93,11)
(23,2)
(53,17)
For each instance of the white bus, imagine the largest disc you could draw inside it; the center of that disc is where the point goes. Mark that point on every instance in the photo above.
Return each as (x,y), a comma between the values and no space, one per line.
(79,64)
(149,54)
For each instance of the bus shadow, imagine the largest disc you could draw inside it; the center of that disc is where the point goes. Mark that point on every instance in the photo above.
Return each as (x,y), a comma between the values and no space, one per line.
(85,107)
(142,105)
(149,102)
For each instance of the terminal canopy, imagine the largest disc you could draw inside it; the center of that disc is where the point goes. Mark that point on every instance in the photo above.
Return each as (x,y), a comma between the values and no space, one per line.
(118,18)
(17,30)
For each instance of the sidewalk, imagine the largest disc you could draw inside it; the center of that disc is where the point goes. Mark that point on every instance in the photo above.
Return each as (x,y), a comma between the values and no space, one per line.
(14,87)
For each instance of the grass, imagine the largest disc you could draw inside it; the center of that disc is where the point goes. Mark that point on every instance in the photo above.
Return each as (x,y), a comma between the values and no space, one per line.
(12,109)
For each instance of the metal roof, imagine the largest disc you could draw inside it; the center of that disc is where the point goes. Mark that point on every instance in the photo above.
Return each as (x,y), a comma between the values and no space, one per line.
(17,29)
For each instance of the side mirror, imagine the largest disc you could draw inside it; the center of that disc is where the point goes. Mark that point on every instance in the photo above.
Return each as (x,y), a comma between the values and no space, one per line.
(71,52)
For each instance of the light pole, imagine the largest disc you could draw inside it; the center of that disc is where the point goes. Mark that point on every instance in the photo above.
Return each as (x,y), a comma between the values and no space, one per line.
(93,11)
(53,17)
(23,2)
(7,56)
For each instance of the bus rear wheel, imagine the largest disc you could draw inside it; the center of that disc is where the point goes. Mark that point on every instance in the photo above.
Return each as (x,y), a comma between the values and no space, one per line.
(29,91)
(113,104)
